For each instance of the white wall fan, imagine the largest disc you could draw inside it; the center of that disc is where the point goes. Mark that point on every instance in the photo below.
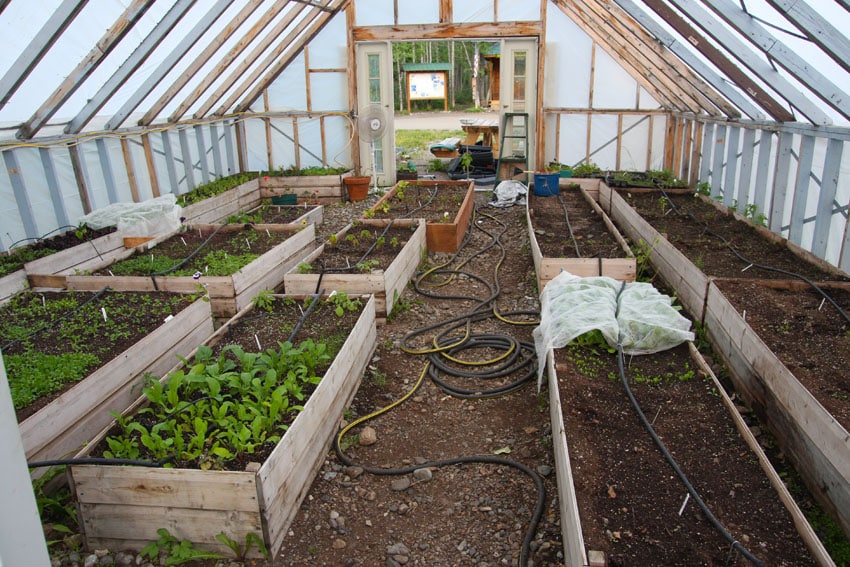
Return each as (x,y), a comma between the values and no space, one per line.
(371,124)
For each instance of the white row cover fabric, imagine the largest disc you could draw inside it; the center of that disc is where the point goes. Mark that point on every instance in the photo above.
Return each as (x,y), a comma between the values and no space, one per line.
(646,321)
(148,218)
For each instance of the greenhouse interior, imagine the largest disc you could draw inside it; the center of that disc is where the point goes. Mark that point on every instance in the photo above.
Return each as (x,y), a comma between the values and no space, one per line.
(384,282)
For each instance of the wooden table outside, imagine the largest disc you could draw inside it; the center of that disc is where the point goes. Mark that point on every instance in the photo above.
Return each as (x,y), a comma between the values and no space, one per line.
(476,128)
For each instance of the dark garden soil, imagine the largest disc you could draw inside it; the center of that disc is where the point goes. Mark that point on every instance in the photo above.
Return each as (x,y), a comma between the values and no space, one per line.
(566,226)
(806,333)
(77,326)
(204,248)
(478,513)
(418,200)
(682,218)
(629,496)
(17,257)
(370,247)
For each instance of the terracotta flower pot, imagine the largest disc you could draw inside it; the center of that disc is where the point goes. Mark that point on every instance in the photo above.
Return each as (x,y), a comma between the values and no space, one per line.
(357,186)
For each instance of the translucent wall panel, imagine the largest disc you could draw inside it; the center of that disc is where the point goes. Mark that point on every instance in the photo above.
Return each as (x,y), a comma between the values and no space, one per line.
(289,90)
(283,144)
(837,234)
(310,142)
(255,142)
(603,141)
(38,195)
(61,159)
(473,11)
(10,218)
(659,128)
(568,52)
(328,48)
(140,169)
(419,12)
(374,12)
(90,158)
(338,134)
(328,91)
(613,86)
(572,147)
(513,11)
(635,143)
(646,101)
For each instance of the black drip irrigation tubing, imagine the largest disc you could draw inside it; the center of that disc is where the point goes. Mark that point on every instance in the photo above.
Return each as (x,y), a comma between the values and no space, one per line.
(187,258)
(519,357)
(692,491)
(569,226)
(750,263)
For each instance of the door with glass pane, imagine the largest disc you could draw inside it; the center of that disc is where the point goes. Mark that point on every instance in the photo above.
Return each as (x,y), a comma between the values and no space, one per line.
(518,63)
(375,111)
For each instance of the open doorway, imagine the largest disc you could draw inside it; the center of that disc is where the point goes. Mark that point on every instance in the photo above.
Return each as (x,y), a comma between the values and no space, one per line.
(457,92)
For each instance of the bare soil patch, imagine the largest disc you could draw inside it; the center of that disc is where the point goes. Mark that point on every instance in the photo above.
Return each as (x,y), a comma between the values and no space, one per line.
(629,496)
(806,333)
(566,226)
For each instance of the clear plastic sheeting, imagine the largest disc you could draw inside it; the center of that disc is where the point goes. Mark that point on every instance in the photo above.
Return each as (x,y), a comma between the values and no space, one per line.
(148,218)
(646,321)
(509,192)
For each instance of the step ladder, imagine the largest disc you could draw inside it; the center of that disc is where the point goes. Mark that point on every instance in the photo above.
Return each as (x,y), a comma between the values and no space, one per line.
(513,144)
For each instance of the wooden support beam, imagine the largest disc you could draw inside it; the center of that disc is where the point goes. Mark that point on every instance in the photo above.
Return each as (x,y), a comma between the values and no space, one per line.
(131,171)
(733,134)
(818,29)
(446,11)
(828,190)
(79,176)
(149,160)
(745,172)
(447,31)
(670,143)
(619,150)
(59,209)
(540,118)
(351,59)
(267,126)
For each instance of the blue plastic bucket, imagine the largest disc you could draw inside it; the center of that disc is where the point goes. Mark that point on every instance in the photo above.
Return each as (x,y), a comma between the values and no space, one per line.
(546,184)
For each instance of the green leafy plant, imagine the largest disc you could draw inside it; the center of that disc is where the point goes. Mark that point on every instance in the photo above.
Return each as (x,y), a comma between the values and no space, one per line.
(342,302)
(264,300)
(588,169)
(239,550)
(366,266)
(304,268)
(176,551)
(466,162)
(213,188)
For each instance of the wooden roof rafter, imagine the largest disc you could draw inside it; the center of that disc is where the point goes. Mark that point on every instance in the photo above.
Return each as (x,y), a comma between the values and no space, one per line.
(295,48)
(625,40)
(818,29)
(152,80)
(673,99)
(413,32)
(748,57)
(130,65)
(235,51)
(75,79)
(276,32)
(820,85)
(677,48)
(673,68)
(55,25)
(181,81)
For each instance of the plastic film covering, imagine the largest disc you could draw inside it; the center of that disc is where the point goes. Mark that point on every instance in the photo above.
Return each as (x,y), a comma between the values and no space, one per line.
(148,218)
(641,318)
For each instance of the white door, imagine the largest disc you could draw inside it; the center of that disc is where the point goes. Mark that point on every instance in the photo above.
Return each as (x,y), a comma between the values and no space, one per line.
(518,94)
(375,111)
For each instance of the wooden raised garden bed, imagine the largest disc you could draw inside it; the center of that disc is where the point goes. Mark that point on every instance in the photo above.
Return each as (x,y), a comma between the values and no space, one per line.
(321,189)
(12,283)
(590,246)
(817,444)
(447,215)
(620,500)
(59,427)
(396,262)
(123,507)
(280,247)
(217,208)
